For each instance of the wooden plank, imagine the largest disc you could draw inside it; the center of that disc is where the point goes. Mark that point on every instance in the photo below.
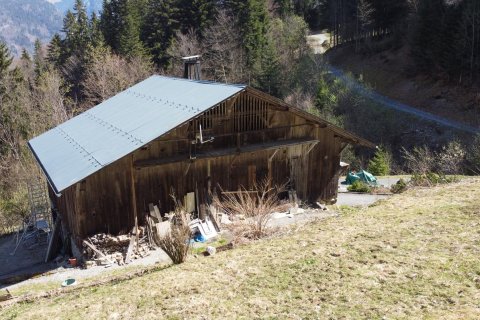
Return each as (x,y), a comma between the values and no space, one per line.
(163,229)
(91,246)
(157,213)
(128,257)
(134,196)
(54,238)
(189,202)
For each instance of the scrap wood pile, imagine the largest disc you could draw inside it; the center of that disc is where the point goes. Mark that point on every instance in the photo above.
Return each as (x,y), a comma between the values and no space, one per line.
(156,227)
(104,249)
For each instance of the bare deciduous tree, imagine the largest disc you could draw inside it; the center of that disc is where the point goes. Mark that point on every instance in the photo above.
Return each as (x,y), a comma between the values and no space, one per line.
(110,74)
(49,96)
(224,57)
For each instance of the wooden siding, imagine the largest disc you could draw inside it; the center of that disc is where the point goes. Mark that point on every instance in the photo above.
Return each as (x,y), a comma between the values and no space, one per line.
(253,139)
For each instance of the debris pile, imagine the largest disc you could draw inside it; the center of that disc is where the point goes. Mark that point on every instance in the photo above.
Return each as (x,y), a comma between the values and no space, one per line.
(104,249)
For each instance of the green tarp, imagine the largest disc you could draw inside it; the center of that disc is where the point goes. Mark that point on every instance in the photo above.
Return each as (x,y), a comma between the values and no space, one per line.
(362,175)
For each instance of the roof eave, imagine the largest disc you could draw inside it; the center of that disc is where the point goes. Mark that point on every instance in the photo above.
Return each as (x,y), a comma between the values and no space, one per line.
(49,179)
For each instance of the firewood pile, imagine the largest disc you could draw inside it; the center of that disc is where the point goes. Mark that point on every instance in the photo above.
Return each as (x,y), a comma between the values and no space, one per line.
(104,249)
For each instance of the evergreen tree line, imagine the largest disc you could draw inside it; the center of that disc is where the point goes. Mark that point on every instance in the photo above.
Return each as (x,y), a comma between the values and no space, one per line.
(445,39)
(356,20)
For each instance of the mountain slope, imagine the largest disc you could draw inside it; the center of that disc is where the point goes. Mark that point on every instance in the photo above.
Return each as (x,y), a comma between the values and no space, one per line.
(64,5)
(23,21)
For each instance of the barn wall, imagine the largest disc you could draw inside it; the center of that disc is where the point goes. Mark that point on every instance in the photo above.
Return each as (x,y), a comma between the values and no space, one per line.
(100,203)
(172,165)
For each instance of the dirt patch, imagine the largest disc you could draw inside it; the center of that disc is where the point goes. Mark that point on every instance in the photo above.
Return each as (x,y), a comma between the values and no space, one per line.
(27,261)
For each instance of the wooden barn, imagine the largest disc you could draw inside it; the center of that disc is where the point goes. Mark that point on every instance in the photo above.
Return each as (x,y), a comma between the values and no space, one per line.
(169,135)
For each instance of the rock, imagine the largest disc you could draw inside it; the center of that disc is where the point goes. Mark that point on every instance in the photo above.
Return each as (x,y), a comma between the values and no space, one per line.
(211,250)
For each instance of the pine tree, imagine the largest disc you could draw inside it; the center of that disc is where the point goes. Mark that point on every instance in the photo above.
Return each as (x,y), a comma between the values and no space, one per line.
(111,22)
(379,165)
(5,59)
(468,38)
(130,44)
(195,15)
(38,59)
(54,51)
(268,76)
(428,38)
(159,29)
(25,55)
(96,36)
(253,25)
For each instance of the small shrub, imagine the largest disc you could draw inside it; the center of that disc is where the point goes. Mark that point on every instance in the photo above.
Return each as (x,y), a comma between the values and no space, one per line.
(257,206)
(430,179)
(380,164)
(399,187)
(450,158)
(176,243)
(359,186)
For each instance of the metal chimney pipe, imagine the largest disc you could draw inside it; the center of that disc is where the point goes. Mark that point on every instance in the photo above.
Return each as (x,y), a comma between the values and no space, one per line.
(192,67)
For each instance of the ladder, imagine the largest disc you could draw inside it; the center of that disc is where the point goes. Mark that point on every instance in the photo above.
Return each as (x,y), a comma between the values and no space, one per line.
(37,226)
(39,201)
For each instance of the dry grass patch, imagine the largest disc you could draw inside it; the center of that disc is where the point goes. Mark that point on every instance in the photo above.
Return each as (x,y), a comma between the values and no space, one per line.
(413,256)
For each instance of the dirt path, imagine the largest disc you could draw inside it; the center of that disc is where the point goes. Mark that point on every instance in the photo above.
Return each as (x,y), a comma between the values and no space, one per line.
(319,42)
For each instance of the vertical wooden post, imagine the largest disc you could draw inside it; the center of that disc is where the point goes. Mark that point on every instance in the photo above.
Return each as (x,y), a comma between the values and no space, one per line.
(270,159)
(134,197)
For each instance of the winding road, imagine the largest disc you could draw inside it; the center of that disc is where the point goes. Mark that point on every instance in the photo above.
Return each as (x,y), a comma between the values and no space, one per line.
(395,105)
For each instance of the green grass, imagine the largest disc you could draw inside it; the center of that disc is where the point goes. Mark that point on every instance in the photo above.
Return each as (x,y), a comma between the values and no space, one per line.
(414,256)
(202,247)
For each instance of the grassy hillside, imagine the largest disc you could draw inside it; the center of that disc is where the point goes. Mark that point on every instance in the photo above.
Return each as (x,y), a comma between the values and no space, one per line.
(414,256)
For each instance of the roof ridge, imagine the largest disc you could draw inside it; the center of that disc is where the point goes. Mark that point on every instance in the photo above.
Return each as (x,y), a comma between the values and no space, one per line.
(236,85)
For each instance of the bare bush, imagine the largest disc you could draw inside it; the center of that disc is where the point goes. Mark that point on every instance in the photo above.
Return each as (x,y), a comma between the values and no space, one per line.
(420,160)
(301,99)
(176,243)
(110,74)
(257,206)
(49,95)
(450,158)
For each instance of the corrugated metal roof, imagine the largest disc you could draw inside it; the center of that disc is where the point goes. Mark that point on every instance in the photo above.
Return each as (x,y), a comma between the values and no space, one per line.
(90,141)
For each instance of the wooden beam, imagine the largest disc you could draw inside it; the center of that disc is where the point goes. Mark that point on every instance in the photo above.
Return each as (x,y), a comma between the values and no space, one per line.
(311,147)
(134,196)
(269,164)
(128,257)
(279,144)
